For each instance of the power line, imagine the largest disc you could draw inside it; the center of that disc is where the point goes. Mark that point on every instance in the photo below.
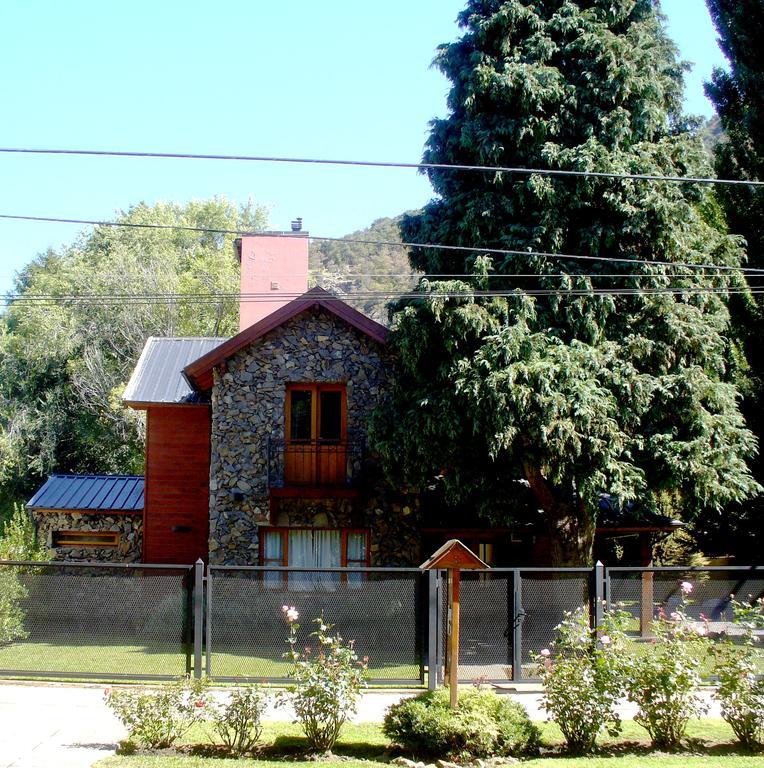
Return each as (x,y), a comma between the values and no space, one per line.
(392,243)
(381,164)
(212,300)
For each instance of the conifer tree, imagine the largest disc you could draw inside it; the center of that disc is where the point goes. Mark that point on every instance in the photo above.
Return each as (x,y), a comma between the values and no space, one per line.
(577,391)
(738,95)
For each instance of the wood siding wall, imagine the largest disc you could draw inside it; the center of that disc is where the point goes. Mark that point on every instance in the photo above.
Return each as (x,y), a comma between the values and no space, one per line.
(176,510)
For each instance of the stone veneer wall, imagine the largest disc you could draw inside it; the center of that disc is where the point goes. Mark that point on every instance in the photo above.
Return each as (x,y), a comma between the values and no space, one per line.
(130,528)
(248,400)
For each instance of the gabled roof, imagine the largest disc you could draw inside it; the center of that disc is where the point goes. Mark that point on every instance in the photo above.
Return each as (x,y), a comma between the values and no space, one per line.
(90,493)
(199,372)
(158,376)
(453,554)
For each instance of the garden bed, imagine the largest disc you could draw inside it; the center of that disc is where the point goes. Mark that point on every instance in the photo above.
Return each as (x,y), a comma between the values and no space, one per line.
(710,743)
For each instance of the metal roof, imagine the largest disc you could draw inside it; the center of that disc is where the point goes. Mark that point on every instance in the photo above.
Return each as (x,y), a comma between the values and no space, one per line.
(90,492)
(158,376)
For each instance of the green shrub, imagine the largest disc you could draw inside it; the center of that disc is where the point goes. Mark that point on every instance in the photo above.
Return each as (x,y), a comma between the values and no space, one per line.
(238,721)
(18,542)
(664,681)
(329,679)
(483,725)
(158,718)
(12,615)
(740,691)
(19,538)
(583,676)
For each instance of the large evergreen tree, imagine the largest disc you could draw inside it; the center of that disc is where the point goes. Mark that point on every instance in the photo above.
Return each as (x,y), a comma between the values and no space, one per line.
(576,392)
(738,95)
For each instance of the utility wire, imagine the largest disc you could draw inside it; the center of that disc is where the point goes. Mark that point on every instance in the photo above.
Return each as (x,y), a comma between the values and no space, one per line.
(382,164)
(392,243)
(357,293)
(192,300)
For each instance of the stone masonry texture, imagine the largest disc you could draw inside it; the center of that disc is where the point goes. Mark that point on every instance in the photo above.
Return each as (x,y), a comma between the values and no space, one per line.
(129,527)
(248,409)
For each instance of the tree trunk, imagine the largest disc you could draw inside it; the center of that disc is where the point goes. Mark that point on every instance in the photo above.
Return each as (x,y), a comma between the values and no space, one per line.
(569,523)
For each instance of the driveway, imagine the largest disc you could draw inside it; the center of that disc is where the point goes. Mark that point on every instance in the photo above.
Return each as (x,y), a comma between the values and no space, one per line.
(43,725)
(47,725)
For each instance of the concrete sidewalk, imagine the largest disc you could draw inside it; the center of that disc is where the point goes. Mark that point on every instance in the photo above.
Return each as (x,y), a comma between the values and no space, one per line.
(55,726)
(62,725)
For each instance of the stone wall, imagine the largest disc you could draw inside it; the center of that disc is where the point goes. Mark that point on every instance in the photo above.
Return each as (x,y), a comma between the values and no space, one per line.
(129,527)
(248,402)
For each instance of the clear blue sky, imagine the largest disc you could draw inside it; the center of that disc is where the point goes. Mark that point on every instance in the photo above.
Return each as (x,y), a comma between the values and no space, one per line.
(336,79)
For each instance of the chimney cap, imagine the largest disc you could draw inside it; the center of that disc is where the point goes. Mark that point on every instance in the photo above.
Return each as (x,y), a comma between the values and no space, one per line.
(297,224)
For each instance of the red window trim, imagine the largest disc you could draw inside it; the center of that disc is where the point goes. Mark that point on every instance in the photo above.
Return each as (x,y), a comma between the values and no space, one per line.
(284,531)
(316,388)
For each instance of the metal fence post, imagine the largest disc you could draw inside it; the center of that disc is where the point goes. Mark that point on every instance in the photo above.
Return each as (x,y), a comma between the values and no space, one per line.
(198,616)
(518,614)
(208,625)
(433,670)
(598,612)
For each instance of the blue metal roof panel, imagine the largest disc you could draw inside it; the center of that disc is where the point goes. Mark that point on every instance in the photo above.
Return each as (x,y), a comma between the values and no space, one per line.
(158,375)
(90,493)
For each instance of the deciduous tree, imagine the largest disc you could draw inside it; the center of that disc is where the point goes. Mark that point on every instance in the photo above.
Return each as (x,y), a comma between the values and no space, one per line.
(64,360)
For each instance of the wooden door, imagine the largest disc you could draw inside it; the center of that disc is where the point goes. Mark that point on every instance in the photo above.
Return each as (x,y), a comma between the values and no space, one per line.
(315,453)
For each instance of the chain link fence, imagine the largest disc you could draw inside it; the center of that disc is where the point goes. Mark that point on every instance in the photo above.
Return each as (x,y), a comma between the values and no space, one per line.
(133,621)
(382,610)
(507,615)
(647,593)
(83,620)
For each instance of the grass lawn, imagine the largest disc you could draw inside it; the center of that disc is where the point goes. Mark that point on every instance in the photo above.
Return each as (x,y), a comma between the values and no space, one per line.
(66,660)
(364,746)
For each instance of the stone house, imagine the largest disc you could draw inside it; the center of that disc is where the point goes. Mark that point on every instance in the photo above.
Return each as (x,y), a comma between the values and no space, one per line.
(256,449)
(256,446)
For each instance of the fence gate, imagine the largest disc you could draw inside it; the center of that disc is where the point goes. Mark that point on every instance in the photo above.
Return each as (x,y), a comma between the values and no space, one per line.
(384,610)
(509,614)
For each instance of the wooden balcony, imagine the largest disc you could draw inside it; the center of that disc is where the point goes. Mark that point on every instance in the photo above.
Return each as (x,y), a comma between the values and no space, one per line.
(313,467)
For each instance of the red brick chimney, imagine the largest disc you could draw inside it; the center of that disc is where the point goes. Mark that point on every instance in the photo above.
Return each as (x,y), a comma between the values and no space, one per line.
(274,266)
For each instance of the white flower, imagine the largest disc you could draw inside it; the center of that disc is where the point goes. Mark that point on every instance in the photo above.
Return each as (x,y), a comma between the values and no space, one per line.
(285,608)
(686,587)
(292,614)
(605,640)
(545,652)
(675,616)
(701,630)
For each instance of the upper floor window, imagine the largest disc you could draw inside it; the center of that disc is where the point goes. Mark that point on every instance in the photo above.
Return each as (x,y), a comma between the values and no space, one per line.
(316,434)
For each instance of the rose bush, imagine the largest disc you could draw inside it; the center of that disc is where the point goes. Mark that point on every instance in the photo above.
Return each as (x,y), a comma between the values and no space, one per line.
(158,718)
(663,679)
(584,677)
(328,677)
(739,690)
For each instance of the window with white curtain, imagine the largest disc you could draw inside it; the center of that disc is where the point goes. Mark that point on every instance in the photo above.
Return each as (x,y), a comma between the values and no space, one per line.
(313,548)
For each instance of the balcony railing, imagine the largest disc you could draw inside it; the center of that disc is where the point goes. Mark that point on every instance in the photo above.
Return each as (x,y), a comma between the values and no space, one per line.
(314,463)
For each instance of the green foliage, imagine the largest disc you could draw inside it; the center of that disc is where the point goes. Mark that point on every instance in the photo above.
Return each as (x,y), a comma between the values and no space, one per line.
(12,615)
(378,268)
(64,365)
(329,679)
(483,725)
(738,95)
(584,678)
(18,540)
(237,721)
(157,719)
(740,690)
(577,391)
(664,681)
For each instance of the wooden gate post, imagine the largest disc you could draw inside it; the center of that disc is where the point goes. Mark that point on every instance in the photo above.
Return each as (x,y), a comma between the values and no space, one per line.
(454,556)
